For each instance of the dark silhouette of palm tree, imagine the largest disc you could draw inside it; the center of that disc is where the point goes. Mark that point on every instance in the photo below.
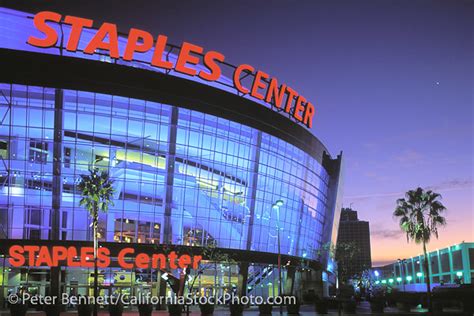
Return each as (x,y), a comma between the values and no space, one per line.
(97,192)
(420,214)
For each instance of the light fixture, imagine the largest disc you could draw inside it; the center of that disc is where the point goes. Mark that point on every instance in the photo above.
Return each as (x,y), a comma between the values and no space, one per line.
(459,274)
(419,274)
(399,279)
(390,281)
(376,273)
(279,203)
(409,278)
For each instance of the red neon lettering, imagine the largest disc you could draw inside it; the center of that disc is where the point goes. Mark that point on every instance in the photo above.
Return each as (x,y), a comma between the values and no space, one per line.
(77,24)
(308,115)
(97,42)
(237,72)
(157,59)
(72,254)
(31,250)
(87,257)
(184,261)
(299,108)
(142,261)
(275,92)
(133,46)
(196,260)
(258,84)
(59,253)
(40,23)
(172,257)
(185,57)
(44,258)
(289,101)
(210,61)
(16,256)
(121,258)
(103,257)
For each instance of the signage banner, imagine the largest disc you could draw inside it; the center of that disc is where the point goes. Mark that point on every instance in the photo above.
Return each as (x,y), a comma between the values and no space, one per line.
(192,60)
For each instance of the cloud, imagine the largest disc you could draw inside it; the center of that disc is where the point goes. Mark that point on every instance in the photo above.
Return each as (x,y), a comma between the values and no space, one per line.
(409,157)
(387,233)
(448,185)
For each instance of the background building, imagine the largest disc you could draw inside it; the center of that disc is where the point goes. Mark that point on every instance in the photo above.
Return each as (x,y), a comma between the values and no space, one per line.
(454,264)
(189,169)
(353,230)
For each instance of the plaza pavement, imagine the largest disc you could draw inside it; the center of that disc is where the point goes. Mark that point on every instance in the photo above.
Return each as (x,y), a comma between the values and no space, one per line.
(306,310)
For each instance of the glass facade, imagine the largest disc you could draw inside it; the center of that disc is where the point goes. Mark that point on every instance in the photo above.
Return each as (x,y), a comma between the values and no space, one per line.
(181,176)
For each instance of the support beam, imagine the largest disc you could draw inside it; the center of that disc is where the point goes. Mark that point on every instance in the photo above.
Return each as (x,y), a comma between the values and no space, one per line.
(55,283)
(169,180)
(242,279)
(255,158)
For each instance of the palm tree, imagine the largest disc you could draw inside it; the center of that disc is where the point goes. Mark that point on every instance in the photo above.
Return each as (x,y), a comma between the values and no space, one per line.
(420,214)
(97,192)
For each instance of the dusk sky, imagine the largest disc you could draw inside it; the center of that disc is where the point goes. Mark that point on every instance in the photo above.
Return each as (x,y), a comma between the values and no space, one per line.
(392,82)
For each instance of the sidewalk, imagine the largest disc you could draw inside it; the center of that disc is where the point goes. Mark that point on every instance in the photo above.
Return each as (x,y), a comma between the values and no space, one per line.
(306,310)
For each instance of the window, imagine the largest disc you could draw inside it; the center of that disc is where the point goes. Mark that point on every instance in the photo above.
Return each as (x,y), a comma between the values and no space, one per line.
(38,151)
(67,157)
(3,148)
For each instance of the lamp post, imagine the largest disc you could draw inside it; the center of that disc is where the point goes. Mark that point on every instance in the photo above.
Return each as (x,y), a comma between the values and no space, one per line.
(276,207)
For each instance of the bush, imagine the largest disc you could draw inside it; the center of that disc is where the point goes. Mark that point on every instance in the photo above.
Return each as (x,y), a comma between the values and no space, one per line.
(18,309)
(116,308)
(462,294)
(145,309)
(236,309)
(265,309)
(84,309)
(349,306)
(175,309)
(346,291)
(309,297)
(207,309)
(294,308)
(321,306)
(403,307)
(377,305)
(53,310)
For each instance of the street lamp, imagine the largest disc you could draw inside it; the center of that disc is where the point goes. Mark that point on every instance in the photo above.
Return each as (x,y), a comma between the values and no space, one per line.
(419,275)
(399,279)
(409,278)
(276,206)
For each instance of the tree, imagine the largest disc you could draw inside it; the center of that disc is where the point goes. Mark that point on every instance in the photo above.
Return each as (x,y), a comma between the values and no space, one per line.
(213,255)
(343,253)
(96,191)
(420,214)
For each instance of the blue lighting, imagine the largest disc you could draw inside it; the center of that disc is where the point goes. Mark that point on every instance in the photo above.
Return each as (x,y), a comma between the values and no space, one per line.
(180,176)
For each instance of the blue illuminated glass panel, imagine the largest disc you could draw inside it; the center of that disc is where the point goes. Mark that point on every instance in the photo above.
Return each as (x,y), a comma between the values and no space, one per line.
(215,187)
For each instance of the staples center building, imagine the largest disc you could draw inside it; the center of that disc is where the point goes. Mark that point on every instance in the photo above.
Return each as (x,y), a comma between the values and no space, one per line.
(195,162)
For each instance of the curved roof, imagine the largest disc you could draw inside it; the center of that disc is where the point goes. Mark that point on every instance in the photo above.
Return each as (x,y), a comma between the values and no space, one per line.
(219,98)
